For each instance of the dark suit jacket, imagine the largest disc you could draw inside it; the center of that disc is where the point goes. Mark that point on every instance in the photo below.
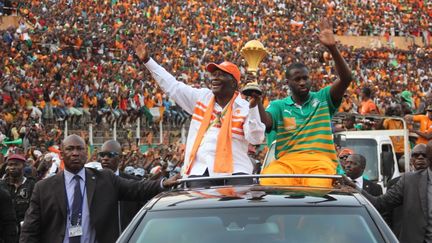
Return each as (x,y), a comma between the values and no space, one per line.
(410,192)
(372,188)
(128,209)
(8,227)
(394,217)
(45,220)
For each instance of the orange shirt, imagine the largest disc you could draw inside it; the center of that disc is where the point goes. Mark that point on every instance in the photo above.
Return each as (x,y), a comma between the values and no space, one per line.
(8,118)
(149,102)
(346,106)
(398,141)
(425,126)
(55,102)
(86,101)
(368,107)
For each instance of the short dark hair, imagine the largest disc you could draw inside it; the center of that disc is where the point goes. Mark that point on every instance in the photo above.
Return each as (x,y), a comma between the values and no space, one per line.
(361,159)
(367,92)
(296,65)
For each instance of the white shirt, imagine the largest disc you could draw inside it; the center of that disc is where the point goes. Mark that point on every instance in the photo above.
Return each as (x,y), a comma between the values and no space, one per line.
(359,181)
(195,101)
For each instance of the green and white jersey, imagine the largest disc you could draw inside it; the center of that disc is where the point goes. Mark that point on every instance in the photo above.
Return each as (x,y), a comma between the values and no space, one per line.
(304,128)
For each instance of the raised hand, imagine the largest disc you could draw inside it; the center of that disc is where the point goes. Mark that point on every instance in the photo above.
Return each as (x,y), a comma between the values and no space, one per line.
(140,48)
(326,35)
(254,99)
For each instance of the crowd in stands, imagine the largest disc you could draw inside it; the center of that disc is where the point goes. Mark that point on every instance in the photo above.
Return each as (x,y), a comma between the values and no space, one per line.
(71,60)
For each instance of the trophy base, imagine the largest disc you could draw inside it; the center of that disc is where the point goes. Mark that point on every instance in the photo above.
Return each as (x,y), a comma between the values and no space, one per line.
(251,88)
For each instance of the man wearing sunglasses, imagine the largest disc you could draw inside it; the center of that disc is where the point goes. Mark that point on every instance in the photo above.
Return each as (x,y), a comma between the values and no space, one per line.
(418,161)
(110,157)
(413,192)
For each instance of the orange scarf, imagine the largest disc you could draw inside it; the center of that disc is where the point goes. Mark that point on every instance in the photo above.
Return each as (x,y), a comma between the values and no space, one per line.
(223,162)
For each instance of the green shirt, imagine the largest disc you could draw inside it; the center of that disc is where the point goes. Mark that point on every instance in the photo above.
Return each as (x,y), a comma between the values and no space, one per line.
(305,128)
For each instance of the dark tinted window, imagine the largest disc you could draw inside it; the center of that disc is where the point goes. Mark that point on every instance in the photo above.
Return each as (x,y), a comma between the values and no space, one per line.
(253,225)
(368,148)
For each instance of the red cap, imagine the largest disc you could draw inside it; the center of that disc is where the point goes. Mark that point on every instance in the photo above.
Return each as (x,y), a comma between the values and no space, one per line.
(345,152)
(16,157)
(227,67)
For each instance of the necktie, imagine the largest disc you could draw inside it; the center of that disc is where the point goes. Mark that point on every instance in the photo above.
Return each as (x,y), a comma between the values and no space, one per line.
(76,208)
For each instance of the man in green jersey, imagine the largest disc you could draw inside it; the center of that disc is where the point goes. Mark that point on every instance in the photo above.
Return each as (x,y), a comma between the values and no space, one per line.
(302,121)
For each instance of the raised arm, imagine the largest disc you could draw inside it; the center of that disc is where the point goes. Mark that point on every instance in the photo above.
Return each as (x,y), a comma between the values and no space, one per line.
(184,95)
(327,38)
(266,118)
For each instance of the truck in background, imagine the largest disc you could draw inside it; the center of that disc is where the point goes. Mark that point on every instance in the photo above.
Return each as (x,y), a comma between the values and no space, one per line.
(376,145)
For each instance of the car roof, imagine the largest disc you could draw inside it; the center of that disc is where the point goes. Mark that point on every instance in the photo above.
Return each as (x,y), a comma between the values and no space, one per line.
(253,196)
(376,134)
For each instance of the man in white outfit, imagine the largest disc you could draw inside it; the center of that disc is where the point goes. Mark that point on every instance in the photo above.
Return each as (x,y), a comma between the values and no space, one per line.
(223,123)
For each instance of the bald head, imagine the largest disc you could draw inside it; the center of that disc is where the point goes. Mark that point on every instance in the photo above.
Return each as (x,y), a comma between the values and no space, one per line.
(419,147)
(360,159)
(112,146)
(73,137)
(110,155)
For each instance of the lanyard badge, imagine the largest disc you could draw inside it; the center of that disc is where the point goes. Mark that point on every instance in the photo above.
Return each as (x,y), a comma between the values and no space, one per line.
(75,230)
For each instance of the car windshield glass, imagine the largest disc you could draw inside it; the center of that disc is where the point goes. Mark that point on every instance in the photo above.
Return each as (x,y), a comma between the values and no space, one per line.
(253,225)
(367,148)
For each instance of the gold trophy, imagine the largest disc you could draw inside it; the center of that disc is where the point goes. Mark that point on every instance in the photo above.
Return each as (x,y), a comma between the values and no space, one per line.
(254,52)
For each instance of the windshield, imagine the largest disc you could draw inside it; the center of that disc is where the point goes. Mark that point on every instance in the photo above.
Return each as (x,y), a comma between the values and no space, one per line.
(367,148)
(253,225)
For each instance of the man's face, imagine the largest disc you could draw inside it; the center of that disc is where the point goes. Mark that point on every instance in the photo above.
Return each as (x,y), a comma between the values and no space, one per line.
(222,83)
(74,154)
(14,168)
(352,167)
(109,157)
(418,158)
(299,82)
(429,114)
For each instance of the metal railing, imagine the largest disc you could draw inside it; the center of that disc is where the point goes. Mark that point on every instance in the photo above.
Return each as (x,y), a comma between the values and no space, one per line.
(115,131)
(183,182)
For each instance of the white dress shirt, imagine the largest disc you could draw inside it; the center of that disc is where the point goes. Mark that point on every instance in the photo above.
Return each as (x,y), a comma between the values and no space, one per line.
(359,181)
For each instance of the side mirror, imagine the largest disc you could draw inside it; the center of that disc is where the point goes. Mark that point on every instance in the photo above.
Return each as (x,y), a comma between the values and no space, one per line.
(340,140)
(387,165)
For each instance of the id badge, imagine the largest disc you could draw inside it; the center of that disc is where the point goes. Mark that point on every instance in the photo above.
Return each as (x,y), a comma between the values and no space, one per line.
(75,230)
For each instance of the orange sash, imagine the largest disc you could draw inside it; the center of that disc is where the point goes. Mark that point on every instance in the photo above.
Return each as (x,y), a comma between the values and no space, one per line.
(223,162)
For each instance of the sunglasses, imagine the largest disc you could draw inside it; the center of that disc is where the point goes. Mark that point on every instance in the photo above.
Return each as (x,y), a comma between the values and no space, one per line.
(416,155)
(109,154)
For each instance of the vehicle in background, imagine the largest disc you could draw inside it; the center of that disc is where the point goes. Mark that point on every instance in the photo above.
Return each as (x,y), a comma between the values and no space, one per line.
(376,145)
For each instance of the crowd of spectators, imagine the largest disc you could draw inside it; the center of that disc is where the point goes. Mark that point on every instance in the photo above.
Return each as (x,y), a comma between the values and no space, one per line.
(71,60)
